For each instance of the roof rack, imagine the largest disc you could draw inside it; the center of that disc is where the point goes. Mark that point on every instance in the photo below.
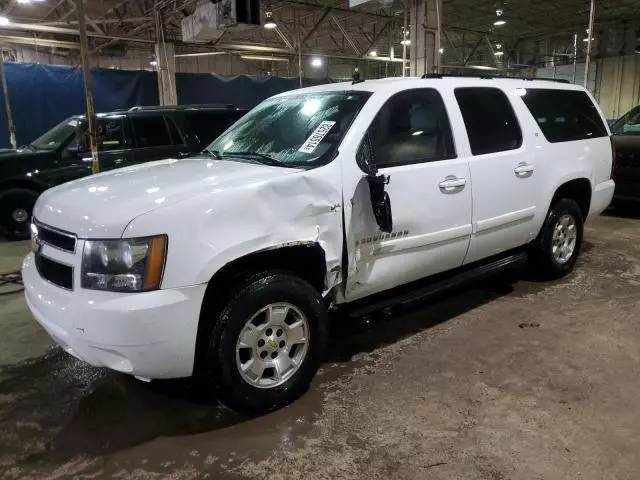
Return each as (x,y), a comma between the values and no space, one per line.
(491,77)
(151,108)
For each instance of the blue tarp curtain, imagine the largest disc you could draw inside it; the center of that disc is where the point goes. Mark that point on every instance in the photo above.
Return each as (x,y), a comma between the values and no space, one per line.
(43,95)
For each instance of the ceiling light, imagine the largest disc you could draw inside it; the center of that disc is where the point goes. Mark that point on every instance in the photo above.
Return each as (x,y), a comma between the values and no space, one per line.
(441,50)
(4,21)
(500,20)
(316,62)
(153,63)
(586,39)
(269,24)
(373,53)
(264,58)
(200,54)
(406,41)
(498,53)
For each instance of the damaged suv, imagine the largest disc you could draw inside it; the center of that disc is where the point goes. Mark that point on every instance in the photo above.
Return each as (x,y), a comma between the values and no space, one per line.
(355,196)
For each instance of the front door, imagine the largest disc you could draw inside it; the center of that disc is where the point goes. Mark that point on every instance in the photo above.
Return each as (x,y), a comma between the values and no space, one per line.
(430,190)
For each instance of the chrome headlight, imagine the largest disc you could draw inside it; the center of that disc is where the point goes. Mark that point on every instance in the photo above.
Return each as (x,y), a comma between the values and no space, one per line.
(127,265)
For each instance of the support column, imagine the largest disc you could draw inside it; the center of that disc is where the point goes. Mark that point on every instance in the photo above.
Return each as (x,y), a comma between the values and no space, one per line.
(424,20)
(166,64)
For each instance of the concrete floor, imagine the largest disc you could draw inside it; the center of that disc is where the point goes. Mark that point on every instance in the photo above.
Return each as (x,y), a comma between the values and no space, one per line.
(522,381)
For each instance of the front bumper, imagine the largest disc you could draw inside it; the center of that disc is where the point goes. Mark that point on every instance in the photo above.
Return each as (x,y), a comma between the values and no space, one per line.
(149,335)
(601,197)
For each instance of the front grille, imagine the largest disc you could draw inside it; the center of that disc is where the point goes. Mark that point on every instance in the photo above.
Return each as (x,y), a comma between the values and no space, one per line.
(56,238)
(56,273)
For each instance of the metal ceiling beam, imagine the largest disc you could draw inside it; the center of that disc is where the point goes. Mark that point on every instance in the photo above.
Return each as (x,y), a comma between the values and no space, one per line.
(377,37)
(39,42)
(284,38)
(346,35)
(313,30)
(93,24)
(337,9)
(31,27)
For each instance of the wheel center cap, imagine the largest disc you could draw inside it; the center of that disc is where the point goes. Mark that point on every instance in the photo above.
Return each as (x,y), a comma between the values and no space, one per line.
(272,344)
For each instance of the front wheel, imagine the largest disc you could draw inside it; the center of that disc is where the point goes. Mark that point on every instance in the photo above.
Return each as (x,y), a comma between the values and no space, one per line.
(555,251)
(267,343)
(16,207)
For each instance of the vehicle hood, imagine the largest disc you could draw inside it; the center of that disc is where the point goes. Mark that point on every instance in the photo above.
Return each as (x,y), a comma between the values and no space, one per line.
(101,206)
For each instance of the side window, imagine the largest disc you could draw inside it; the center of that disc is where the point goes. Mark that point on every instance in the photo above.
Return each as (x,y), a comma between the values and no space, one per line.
(491,124)
(207,126)
(411,127)
(150,130)
(110,135)
(564,115)
(176,137)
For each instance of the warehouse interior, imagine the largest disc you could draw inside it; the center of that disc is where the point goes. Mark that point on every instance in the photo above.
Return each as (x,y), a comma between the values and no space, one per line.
(512,378)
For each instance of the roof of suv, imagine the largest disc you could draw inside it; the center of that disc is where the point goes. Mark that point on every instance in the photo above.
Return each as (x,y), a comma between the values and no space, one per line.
(170,108)
(403,83)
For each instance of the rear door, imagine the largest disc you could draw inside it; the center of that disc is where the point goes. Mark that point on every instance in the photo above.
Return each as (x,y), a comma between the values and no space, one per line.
(156,137)
(626,138)
(506,186)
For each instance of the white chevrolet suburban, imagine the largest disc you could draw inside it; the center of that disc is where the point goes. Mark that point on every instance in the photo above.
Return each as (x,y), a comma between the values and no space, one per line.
(357,195)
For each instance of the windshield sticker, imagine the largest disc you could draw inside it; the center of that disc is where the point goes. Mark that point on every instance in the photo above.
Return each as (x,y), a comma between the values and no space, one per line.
(316,137)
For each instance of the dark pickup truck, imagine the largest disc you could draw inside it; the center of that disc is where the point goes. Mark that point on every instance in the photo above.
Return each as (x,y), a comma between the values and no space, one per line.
(138,135)
(626,140)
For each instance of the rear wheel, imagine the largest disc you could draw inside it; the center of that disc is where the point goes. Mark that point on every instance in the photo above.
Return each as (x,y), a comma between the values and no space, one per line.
(16,207)
(267,343)
(555,252)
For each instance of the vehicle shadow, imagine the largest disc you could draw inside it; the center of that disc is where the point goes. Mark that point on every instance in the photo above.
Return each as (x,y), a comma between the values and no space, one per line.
(624,210)
(58,408)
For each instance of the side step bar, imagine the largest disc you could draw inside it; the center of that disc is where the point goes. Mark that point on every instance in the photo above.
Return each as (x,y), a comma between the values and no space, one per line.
(456,280)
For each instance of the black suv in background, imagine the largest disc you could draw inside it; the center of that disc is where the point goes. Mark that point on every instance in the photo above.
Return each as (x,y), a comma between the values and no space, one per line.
(138,135)
(626,140)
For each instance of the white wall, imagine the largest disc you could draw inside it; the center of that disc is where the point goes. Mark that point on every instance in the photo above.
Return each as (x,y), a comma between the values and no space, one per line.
(618,84)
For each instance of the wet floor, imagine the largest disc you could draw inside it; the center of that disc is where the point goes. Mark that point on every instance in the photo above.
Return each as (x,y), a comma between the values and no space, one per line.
(506,380)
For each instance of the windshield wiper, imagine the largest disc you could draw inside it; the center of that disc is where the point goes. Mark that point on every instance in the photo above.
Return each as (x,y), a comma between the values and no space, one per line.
(262,157)
(214,153)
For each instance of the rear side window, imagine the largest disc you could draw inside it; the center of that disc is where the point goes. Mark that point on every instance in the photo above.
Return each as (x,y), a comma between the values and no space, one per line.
(564,115)
(207,126)
(491,124)
(150,131)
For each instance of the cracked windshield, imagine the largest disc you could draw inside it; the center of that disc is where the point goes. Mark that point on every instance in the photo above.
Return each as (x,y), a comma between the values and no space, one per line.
(300,130)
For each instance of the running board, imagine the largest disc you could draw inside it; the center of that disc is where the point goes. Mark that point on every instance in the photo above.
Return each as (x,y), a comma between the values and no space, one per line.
(469,275)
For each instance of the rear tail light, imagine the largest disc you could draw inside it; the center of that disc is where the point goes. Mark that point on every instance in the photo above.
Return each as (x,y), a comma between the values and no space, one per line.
(613,158)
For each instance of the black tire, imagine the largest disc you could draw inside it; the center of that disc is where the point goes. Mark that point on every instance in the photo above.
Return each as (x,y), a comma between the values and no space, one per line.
(222,375)
(541,257)
(15,204)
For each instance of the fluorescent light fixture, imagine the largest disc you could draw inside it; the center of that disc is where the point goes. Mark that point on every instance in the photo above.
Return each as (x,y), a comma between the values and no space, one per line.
(4,21)
(586,39)
(373,53)
(264,58)
(200,54)
(406,41)
(153,62)
(441,50)
(499,22)
(316,62)
(498,53)
(419,132)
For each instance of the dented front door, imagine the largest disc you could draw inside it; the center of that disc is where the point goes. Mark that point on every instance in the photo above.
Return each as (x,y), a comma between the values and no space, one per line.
(430,192)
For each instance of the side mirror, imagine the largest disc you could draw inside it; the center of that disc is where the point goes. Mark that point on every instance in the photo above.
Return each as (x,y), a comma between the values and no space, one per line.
(380,200)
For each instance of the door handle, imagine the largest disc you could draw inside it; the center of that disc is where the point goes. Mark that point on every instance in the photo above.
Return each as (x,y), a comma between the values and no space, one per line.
(118,161)
(523,168)
(183,154)
(451,182)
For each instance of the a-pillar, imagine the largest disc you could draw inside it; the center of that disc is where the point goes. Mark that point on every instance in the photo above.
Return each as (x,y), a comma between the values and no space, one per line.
(166,65)
(424,27)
